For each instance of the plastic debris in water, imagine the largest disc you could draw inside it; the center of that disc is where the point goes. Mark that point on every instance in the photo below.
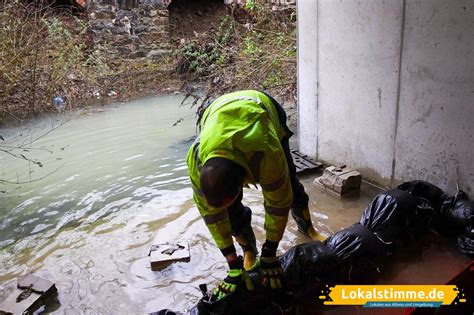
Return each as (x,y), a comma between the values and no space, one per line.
(163,255)
(58,102)
(112,94)
(25,294)
(172,249)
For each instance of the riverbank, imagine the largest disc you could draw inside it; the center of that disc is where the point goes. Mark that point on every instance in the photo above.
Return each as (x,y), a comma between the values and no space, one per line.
(215,49)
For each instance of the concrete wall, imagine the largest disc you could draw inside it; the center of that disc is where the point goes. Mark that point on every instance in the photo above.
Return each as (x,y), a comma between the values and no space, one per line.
(308,78)
(387,87)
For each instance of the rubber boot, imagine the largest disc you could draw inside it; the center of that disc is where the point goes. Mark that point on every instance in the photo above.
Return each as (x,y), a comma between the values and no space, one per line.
(249,260)
(246,240)
(305,226)
(250,256)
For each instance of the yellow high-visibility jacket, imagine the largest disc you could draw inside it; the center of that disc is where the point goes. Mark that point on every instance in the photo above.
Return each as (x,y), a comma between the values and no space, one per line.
(243,127)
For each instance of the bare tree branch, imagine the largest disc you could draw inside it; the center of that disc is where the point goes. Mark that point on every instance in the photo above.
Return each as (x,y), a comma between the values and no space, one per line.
(2,181)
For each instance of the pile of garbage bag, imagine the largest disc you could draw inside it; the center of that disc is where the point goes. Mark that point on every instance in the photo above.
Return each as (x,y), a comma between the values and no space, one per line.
(394,219)
(453,215)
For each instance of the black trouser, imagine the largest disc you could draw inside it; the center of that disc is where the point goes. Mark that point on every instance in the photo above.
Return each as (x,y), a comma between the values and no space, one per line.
(240,216)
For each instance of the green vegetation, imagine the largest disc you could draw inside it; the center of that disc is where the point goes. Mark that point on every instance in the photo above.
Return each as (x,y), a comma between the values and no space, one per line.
(46,53)
(253,47)
(202,58)
(41,53)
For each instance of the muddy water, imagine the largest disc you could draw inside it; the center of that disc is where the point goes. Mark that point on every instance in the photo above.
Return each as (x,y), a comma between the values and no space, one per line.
(113,182)
(117,182)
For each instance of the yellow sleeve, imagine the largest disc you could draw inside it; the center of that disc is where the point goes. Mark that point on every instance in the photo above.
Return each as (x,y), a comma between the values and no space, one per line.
(216,219)
(277,193)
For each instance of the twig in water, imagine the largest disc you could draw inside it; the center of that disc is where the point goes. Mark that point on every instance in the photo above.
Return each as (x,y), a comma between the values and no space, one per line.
(3,181)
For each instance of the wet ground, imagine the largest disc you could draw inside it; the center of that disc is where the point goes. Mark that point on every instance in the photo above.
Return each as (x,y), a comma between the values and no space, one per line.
(113,182)
(431,260)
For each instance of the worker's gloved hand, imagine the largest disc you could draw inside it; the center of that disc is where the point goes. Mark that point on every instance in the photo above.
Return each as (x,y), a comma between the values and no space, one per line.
(271,272)
(236,278)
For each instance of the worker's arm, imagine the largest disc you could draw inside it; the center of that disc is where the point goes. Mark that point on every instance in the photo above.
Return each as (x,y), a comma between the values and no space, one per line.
(218,223)
(217,220)
(277,193)
(278,197)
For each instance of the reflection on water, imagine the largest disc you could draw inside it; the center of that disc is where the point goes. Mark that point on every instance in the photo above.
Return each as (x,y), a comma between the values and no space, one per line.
(117,178)
(100,163)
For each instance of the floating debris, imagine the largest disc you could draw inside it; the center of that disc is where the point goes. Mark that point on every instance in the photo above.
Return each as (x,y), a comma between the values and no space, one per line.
(163,255)
(29,295)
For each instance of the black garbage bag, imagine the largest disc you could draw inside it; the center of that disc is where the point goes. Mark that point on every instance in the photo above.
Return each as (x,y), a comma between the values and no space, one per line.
(356,241)
(170,312)
(453,215)
(307,268)
(397,217)
(430,193)
(465,241)
(462,212)
(361,251)
(260,301)
(456,213)
(462,216)
(310,266)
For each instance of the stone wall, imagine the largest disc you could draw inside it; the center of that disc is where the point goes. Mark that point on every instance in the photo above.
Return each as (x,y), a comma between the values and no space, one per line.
(130,29)
(276,2)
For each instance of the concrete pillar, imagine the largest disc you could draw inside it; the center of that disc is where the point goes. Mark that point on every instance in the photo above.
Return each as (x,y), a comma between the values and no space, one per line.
(387,87)
(307,12)
(356,45)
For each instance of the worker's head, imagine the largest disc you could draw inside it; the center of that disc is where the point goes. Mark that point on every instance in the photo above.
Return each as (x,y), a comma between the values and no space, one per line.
(221,182)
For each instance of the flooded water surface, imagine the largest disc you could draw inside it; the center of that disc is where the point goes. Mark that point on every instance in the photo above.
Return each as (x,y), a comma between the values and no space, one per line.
(114,182)
(111,184)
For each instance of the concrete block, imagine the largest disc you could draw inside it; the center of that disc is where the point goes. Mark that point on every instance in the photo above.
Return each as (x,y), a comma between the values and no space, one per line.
(29,295)
(340,180)
(163,255)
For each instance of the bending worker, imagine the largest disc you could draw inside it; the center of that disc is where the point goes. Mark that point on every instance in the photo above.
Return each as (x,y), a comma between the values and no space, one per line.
(244,140)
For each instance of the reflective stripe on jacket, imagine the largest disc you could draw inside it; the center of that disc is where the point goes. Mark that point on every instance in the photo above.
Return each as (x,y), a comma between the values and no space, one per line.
(243,127)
